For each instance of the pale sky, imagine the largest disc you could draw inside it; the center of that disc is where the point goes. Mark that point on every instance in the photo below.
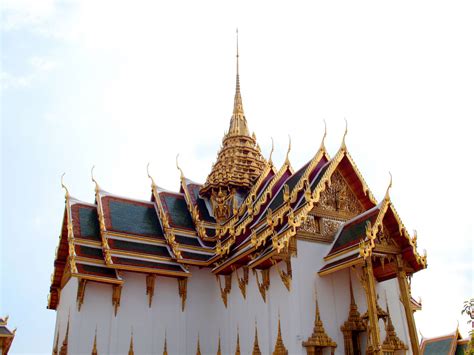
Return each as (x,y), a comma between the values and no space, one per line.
(120,84)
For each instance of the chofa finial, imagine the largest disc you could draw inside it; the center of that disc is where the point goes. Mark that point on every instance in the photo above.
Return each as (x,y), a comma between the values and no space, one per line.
(387,196)
(287,159)
(64,186)
(94,180)
(343,145)
(177,166)
(324,136)
(271,153)
(151,178)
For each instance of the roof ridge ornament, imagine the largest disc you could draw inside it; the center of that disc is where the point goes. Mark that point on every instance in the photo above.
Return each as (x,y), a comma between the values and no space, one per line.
(270,161)
(387,193)
(153,185)
(322,147)
(65,188)
(287,159)
(97,187)
(177,167)
(343,144)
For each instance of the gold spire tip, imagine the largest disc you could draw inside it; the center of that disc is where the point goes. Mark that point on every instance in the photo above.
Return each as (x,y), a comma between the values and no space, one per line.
(153,185)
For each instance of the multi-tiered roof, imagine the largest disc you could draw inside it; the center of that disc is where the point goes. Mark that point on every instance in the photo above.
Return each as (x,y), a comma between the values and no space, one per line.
(247,214)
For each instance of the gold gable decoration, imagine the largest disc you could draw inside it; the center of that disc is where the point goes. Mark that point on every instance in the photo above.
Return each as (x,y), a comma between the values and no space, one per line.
(319,339)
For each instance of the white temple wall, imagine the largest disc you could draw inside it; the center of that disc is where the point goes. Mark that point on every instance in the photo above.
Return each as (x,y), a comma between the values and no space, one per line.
(206,314)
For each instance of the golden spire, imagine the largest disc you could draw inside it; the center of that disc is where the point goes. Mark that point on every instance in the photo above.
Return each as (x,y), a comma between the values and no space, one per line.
(94,347)
(198,350)
(219,352)
(64,350)
(392,341)
(256,348)
(130,349)
(279,345)
(165,346)
(238,112)
(237,348)
(319,338)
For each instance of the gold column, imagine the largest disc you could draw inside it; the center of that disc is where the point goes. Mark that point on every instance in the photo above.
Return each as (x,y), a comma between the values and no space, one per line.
(369,287)
(405,294)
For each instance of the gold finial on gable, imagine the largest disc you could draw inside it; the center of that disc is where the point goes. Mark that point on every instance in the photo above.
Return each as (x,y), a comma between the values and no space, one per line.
(287,159)
(343,144)
(153,185)
(64,186)
(97,187)
(177,167)
(271,153)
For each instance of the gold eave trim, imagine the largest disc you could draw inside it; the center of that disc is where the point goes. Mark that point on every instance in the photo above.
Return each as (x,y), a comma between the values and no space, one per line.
(148,240)
(265,258)
(87,242)
(98,279)
(341,252)
(232,260)
(345,265)
(115,252)
(150,270)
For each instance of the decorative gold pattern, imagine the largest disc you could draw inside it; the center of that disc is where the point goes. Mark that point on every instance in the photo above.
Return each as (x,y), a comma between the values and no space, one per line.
(310,225)
(256,348)
(392,342)
(219,352)
(198,349)
(94,346)
(338,197)
(165,345)
(265,284)
(63,350)
(227,287)
(183,290)
(279,345)
(244,280)
(81,290)
(150,287)
(237,347)
(285,275)
(116,294)
(130,349)
(56,344)
(319,339)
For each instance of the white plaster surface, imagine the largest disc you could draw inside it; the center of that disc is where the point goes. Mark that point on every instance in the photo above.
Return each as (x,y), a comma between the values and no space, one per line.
(205,314)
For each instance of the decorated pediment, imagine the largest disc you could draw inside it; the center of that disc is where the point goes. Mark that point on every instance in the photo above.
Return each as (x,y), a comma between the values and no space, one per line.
(338,200)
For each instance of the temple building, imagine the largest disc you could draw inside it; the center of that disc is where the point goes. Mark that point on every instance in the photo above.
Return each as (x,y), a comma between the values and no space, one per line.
(450,344)
(257,260)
